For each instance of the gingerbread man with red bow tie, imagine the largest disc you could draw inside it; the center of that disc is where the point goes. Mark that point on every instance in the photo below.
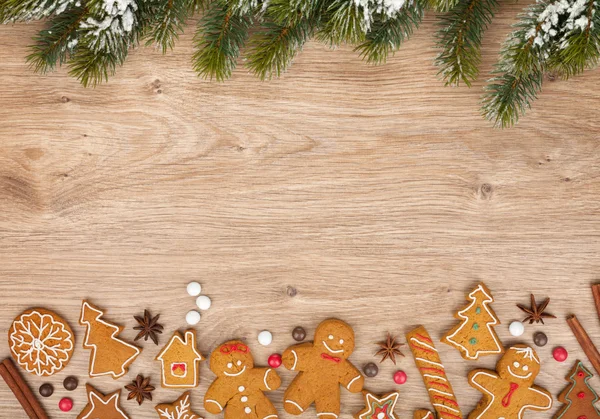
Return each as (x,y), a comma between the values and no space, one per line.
(323,366)
(509,391)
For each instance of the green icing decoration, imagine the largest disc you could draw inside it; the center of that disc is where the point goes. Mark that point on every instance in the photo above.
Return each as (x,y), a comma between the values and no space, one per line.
(472,341)
(475,326)
(478,310)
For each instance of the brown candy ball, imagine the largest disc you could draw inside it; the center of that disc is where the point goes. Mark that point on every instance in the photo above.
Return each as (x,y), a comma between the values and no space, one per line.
(371,369)
(71,383)
(46,390)
(299,334)
(540,339)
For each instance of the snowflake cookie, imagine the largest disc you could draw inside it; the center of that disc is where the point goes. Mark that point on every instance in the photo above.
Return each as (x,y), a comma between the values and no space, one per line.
(179,409)
(41,342)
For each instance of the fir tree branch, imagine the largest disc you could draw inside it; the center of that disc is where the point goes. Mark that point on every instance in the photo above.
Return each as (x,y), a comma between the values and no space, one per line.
(219,38)
(460,40)
(274,49)
(168,22)
(26,10)
(344,21)
(92,67)
(53,45)
(387,34)
(580,48)
(519,73)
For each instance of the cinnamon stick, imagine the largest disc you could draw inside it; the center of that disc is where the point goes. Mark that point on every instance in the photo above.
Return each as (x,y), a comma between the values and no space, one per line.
(12,384)
(31,399)
(596,294)
(585,342)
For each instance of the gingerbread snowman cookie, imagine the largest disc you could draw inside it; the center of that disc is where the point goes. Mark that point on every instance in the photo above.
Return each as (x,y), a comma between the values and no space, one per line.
(239,387)
(509,391)
(323,366)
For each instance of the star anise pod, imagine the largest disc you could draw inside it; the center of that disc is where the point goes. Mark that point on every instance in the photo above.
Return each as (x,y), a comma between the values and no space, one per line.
(148,327)
(140,389)
(389,349)
(536,313)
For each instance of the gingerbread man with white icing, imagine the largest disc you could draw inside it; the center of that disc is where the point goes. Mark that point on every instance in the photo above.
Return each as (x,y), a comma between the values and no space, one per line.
(509,391)
(239,386)
(323,366)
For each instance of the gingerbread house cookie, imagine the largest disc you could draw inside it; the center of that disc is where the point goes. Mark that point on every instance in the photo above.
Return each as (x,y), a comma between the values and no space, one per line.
(180,361)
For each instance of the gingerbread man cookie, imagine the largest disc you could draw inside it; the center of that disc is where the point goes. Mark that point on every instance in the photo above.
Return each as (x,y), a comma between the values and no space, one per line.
(509,391)
(239,387)
(323,366)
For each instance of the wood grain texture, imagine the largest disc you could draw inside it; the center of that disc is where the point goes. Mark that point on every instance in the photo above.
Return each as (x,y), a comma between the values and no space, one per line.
(375,192)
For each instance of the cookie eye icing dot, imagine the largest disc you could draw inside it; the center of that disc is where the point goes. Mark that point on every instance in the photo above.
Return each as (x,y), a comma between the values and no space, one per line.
(341,341)
(516,364)
(239,363)
(330,337)
(525,368)
(230,365)
(472,341)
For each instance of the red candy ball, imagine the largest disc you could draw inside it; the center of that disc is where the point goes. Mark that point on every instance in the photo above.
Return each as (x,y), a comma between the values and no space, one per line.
(65,404)
(560,354)
(400,377)
(275,361)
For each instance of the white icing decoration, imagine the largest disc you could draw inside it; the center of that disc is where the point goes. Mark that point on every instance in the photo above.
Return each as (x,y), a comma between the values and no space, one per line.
(295,404)
(430,362)
(423,344)
(215,402)
(353,380)
(295,360)
(527,353)
(336,351)
(265,379)
(445,407)
(236,374)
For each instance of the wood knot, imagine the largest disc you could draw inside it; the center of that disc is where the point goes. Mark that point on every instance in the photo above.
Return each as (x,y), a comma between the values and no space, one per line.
(291,291)
(65,99)
(486,190)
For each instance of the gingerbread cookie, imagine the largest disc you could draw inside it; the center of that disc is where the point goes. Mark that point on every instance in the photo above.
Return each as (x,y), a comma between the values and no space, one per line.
(179,409)
(323,366)
(475,335)
(102,407)
(180,361)
(578,397)
(239,387)
(110,355)
(509,391)
(378,407)
(434,375)
(41,342)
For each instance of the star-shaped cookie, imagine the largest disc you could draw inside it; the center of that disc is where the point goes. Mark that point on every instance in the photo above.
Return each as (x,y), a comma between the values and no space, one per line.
(101,406)
(378,407)
(179,409)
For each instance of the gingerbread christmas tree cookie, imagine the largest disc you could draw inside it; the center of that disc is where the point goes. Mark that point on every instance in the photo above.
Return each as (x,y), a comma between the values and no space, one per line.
(109,354)
(179,409)
(578,397)
(180,361)
(510,390)
(41,342)
(378,407)
(475,336)
(102,407)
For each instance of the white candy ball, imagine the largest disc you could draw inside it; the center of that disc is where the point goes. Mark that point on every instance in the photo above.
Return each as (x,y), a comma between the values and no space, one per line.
(192,317)
(516,329)
(203,302)
(265,338)
(194,289)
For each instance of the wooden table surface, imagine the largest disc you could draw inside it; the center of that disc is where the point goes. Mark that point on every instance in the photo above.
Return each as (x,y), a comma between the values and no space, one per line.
(378,195)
